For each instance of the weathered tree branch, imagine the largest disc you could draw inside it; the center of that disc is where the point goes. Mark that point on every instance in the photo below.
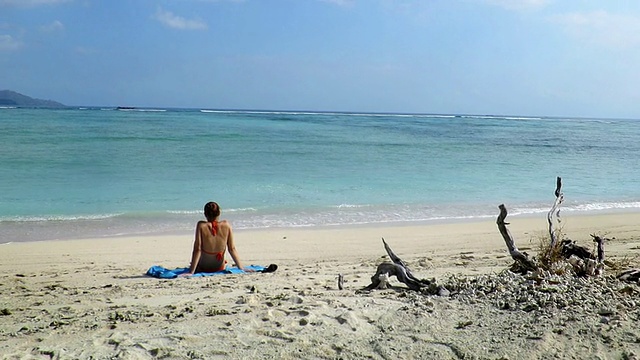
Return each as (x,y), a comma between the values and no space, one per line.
(569,248)
(399,269)
(522,259)
(631,275)
(583,261)
(600,242)
(555,210)
(398,261)
(387,269)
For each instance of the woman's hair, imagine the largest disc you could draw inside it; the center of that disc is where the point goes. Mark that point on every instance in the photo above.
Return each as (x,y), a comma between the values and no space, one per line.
(211,210)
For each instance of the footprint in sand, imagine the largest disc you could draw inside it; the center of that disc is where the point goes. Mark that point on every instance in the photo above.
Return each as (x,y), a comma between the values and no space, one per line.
(350,319)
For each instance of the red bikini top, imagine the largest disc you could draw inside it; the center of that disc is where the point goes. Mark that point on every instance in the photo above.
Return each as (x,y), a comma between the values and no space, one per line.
(214,227)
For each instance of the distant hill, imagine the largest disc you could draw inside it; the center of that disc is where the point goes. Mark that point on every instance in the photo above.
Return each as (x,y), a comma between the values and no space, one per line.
(12,98)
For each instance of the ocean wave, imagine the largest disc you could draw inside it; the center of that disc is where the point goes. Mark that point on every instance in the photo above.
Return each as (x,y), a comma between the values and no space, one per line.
(184,212)
(605,206)
(520,118)
(527,211)
(499,117)
(37,228)
(579,207)
(328,113)
(249,209)
(341,214)
(59,218)
(341,206)
(192,212)
(142,110)
(296,223)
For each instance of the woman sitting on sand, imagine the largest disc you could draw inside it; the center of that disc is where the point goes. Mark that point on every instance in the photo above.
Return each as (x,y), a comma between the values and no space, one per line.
(213,238)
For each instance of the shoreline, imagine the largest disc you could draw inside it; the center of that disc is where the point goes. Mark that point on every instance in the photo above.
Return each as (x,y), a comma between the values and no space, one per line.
(382,224)
(90,298)
(328,243)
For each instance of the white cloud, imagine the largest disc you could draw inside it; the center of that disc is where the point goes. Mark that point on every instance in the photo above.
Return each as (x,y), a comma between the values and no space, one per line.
(519,4)
(52,27)
(30,3)
(8,43)
(602,28)
(177,22)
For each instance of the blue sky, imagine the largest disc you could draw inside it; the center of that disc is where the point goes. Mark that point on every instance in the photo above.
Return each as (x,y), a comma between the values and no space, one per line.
(518,57)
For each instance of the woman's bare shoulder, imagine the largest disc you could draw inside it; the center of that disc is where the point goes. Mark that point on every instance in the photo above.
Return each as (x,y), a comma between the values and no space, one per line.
(224,223)
(201,223)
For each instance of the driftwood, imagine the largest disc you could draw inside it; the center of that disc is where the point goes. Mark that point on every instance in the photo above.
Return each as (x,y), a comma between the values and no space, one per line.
(397,268)
(600,242)
(583,261)
(631,275)
(396,260)
(523,263)
(569,248)
(555,211)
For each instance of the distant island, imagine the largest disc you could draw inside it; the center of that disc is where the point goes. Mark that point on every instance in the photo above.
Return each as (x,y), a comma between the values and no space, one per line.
(12,98)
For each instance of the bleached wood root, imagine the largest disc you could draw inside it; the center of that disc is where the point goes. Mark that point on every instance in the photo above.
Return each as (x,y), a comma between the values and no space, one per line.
(522,259)
(554,214)
(397,268)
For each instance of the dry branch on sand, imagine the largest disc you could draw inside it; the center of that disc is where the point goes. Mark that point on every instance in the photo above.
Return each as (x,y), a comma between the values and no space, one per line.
(400,269)
(397,268)
(582,261)
(558,256)
(558,252)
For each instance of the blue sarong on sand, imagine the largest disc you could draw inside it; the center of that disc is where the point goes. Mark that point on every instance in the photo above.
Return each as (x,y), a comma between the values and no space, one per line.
(164,273)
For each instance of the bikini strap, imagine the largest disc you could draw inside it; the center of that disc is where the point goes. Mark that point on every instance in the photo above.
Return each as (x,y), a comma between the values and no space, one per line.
(214,227)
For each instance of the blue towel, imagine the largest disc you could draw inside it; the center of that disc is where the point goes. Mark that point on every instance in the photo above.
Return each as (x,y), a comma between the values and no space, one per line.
(164,273)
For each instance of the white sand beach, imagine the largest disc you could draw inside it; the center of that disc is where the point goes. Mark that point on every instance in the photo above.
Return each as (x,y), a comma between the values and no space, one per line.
(90,299)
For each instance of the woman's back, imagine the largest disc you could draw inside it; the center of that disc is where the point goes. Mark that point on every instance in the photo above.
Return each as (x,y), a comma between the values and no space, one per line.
(213,238)
(214,235)
(213,244)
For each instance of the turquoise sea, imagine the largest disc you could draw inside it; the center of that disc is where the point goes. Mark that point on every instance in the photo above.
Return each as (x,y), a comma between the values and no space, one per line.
(96,172)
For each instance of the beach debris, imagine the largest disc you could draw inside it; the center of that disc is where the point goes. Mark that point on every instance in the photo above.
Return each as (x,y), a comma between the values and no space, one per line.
(600,243)
(269,269)
(397,268)
(383,281)
(541,292)
(554,213)
(559,254)
(569,248)
(631,275)
(464,324)
(523,263)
